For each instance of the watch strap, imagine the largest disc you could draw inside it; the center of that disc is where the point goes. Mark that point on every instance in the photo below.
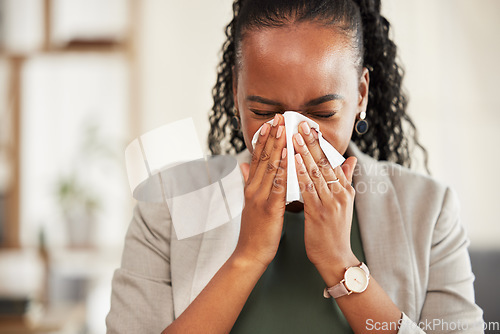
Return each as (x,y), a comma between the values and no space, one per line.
(336,291)
(365,268)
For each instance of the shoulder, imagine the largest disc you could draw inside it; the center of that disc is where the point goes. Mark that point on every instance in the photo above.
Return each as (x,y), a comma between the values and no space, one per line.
(149,231)
(150,222)
(414,190)
(428,208)
(152,211)
(423,200)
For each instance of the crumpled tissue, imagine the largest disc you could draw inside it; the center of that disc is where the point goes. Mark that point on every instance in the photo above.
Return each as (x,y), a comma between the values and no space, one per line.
(292,121)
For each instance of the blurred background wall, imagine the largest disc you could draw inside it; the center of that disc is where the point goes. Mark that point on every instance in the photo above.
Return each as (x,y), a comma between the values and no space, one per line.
(79,79)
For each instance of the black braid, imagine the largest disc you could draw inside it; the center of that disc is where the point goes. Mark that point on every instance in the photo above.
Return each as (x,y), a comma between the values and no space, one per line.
(223,109)
(387,103)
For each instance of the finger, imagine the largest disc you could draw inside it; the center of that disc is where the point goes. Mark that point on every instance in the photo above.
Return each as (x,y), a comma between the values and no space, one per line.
(348,168)
(257,151)
(278,192)
(340,172)
(342,181)
(311,167)
(274,161)
(317,153)
(245,170)
(267,151)
(315,133)
(307,188)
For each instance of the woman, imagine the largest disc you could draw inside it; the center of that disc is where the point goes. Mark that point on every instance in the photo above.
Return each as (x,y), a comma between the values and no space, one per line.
(333,62)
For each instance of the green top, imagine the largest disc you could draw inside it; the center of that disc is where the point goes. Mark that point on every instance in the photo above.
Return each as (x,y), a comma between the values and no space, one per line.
(288,298)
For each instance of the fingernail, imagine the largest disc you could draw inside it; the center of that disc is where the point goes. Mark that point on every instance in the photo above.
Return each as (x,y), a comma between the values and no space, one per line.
(283,153)
(264,129)
(305,127)
(275,120)
(299,139)
(298,158)
(280,131)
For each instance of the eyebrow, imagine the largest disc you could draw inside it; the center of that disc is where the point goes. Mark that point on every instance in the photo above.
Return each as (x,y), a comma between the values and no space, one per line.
(323,99)
(313,102)
(262,100)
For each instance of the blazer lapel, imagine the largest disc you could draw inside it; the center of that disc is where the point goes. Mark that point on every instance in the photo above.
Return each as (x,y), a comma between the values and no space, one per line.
(384,236)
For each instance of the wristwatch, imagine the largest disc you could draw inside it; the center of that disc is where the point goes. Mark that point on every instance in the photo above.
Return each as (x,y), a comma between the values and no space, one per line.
(356,280)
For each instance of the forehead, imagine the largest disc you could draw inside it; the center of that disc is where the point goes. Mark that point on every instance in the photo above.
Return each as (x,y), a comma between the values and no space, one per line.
(300,53)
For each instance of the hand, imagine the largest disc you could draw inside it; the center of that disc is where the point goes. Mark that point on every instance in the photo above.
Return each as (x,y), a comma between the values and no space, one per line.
(265,195)
(328,208)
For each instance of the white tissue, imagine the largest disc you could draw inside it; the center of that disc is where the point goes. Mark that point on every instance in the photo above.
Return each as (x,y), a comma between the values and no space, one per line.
(292,121)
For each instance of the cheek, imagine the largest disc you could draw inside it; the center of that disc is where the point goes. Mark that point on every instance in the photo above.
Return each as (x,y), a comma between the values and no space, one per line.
(249,127)
(338,134)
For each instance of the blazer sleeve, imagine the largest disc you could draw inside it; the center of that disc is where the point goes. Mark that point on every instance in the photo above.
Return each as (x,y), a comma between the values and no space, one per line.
(449,305)
(141,298)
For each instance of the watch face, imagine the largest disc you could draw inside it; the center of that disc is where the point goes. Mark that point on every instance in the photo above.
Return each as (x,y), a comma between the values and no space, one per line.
(356,279)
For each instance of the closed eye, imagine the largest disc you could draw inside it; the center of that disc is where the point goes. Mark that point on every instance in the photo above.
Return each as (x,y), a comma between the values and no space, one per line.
(266,113)
(263,113)
(323,115)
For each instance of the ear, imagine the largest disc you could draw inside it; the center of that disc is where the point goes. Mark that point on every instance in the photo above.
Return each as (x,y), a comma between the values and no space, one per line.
(364,83)
(235,87)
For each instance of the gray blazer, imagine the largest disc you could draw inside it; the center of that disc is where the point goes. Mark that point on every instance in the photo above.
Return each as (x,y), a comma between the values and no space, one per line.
(414,242)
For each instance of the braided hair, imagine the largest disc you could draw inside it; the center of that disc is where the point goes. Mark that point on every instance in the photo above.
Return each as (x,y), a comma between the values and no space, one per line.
(391,128)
